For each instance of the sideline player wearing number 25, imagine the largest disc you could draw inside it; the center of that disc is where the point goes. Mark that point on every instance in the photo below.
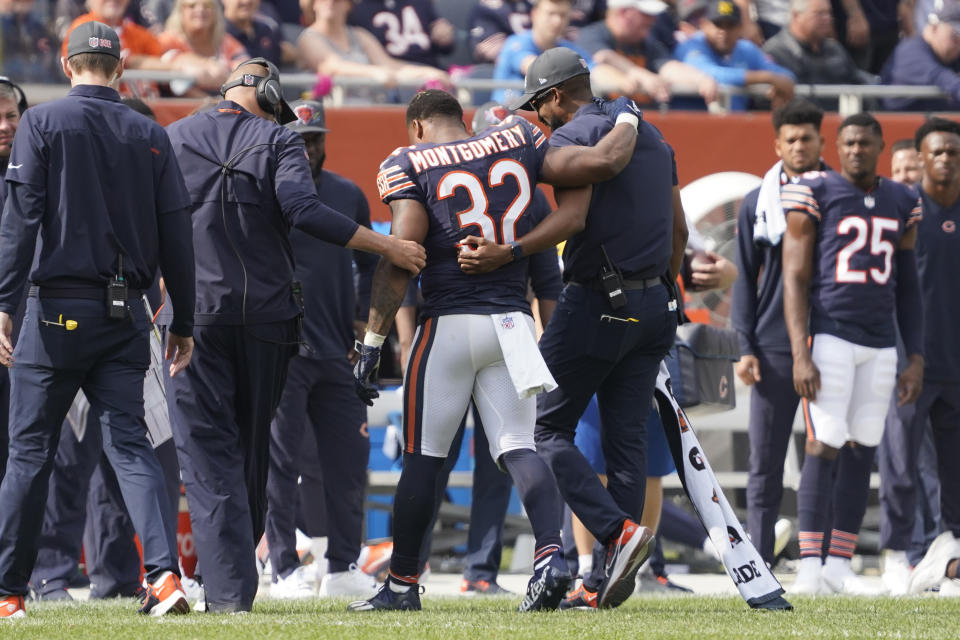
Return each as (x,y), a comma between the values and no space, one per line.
(848,262)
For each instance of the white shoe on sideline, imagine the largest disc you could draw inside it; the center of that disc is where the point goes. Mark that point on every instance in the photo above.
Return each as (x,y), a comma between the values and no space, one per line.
(950,588)
(896,572)
(931,571)
(295,586)
(352,582)
(808,581)
(782,532)
(839,577)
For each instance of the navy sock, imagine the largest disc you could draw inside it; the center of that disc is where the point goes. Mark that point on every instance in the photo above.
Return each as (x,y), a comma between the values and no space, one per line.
(413,507)
(538,493)
(813,497)
(851,490)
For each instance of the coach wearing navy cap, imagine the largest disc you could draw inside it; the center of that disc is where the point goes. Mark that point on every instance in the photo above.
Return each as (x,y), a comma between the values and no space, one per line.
(102,187)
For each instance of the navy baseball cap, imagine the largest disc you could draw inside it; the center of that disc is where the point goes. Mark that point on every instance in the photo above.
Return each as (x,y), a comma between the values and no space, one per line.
(310,117)
(93,37)
(489,115)
(719,11)
(551,68)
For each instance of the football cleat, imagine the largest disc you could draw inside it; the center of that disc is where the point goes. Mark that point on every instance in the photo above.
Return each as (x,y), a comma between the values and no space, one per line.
(11,608)
(549,583)
(580,598)
(931,570)
(625,554)
(165,595)
(483,587)
(777,604)
(389,600)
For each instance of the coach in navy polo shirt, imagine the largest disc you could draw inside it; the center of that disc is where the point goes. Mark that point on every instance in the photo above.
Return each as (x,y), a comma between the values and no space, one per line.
(102,186)
(607,344)
(250,183)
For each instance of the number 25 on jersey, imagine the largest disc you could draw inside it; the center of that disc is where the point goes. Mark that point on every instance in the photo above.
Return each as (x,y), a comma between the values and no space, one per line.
(479,213)
(863,230)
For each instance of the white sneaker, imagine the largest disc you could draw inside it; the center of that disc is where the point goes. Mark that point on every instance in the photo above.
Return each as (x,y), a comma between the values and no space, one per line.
(294,587)
(808,582)
(782,532)
(352,582)
(192,589)
(838,577)
(896,572)
(931,571)
(950,588)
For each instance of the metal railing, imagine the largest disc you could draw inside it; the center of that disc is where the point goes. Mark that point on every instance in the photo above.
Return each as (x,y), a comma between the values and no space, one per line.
(850,96)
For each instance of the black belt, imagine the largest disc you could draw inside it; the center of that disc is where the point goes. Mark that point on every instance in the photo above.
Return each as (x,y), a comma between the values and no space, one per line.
(628,285)
(79,293)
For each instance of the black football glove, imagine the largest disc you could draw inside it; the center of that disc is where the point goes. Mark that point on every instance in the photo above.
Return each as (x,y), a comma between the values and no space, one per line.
(366,372)
(614,108)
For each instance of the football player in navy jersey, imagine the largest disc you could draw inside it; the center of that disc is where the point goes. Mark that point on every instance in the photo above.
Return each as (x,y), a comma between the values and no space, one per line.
(408,29)
(476,336)
(848,262)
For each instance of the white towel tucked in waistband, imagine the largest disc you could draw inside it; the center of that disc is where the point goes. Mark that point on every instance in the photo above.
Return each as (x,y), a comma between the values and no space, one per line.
(528,371)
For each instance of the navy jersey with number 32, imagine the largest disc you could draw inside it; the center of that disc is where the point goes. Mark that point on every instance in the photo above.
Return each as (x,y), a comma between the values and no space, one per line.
(480,186)
(853,285)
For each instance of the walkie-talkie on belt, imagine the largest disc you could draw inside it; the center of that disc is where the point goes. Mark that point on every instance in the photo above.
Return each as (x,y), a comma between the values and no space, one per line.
(117,294)
(612,282)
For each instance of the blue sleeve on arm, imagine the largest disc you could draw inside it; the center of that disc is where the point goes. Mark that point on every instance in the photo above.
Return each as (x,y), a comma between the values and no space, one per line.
(22,214)
(695,53)
(909,302)
(178,268)
(300,204)
(366,264)
(545,275)
(744,305)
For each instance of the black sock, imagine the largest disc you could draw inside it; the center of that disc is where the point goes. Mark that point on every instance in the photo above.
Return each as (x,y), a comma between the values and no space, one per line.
(412,511)
(816,483)
(852,487)
(538,493)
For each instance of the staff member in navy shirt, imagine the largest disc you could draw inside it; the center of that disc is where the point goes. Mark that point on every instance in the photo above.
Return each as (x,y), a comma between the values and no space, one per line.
(938,262)
(318,409)
(13,103)
(765,360)
(613,324)
(250,183)
(102,186)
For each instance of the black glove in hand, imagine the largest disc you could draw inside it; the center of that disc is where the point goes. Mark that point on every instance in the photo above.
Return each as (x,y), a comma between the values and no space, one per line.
(366,373)
(614,108)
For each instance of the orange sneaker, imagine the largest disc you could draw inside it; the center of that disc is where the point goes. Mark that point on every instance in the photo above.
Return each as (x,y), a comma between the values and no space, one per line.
(165,595)
(375,559)
(580,598)
(11,608)
(625,554)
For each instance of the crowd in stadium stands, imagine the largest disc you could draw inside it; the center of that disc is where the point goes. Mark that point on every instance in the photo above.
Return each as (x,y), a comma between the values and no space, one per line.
(650,49)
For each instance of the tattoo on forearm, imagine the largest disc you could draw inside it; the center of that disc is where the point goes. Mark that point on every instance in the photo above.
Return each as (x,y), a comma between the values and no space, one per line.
(386,294)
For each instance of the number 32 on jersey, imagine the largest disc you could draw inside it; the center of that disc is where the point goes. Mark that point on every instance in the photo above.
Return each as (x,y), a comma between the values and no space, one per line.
(866,231)
(479,212)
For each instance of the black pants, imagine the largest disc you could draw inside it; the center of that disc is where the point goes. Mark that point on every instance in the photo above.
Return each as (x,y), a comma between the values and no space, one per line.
(220,411)
(319,410)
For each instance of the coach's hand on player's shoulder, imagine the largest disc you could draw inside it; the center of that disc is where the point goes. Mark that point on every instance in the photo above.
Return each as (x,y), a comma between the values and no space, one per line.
(806,378)
(367,372)
(479,255)
(406,254)
(180,350)
(614,108)
(748,369)
(910,381)
(6,345)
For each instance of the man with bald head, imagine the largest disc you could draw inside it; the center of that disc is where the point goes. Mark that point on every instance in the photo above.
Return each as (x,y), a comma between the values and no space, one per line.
(250,182)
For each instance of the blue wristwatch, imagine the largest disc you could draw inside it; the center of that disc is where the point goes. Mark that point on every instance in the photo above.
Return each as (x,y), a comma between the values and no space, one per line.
(516,250)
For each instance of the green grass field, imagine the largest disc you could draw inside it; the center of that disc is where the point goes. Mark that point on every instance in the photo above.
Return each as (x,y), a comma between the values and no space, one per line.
(490,618)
